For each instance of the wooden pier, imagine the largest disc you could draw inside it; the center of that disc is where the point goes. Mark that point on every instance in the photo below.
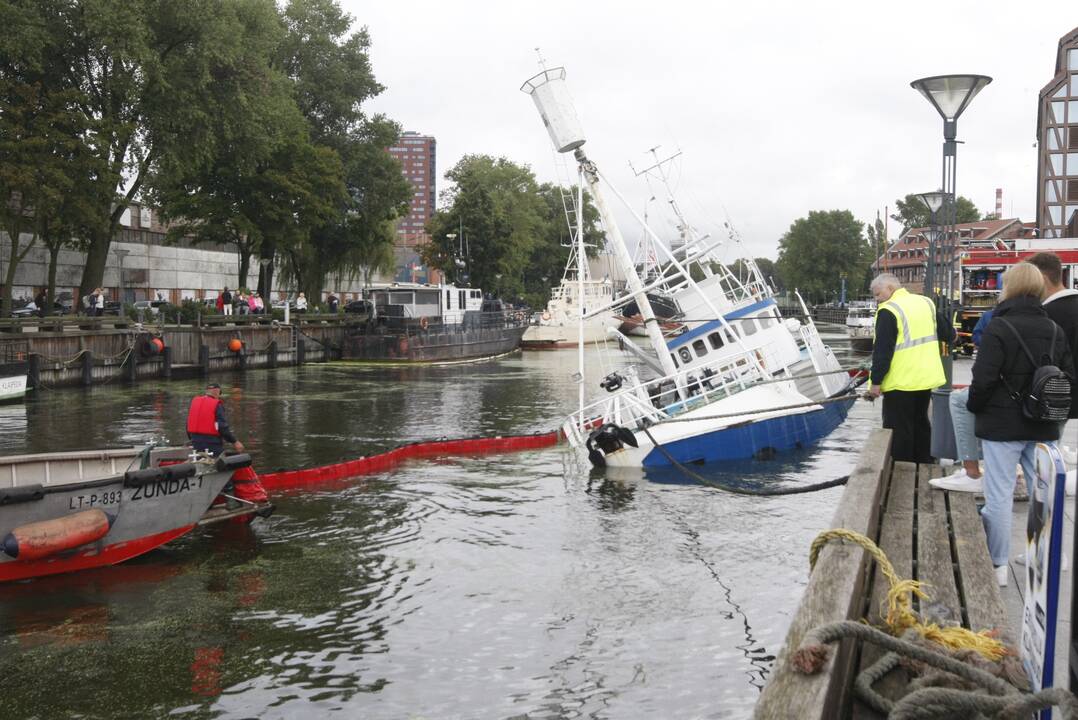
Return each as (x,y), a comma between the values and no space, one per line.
(928,535)
(88,351)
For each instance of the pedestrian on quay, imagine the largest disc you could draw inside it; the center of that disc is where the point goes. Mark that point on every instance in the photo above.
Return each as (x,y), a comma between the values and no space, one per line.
(226,301)
(333,303)
(40,300)
(207,426)
(242,307)
(301,303)
(1061,305)
(968,478)
(906,365)
(1001,371)
(259,306)
(99,302)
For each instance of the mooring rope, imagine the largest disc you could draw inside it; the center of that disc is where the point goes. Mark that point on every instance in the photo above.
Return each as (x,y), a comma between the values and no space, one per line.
(996,699)
(900,616)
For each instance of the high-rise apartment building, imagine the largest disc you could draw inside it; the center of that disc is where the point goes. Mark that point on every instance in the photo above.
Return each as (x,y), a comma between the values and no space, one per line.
(416,154)
(1057,136)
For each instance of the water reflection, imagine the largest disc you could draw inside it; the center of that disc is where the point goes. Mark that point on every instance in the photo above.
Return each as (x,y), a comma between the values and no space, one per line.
(524,585)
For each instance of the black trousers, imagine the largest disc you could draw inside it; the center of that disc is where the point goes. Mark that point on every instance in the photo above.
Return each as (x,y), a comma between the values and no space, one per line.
(905,412)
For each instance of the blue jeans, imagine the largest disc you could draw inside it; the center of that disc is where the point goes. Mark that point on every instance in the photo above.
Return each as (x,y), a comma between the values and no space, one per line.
(969,446)
(1000,460)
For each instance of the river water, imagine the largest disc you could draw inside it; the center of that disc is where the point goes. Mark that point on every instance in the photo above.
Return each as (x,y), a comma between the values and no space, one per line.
(510,586)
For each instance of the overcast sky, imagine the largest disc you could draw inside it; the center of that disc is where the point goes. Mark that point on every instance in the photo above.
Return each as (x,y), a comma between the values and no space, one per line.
(779,108)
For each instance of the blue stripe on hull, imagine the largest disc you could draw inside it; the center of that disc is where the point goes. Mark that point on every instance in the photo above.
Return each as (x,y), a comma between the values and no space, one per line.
(744,441)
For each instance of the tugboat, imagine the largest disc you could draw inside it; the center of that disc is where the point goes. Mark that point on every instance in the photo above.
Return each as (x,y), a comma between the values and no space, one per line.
(61,512)
(409,322)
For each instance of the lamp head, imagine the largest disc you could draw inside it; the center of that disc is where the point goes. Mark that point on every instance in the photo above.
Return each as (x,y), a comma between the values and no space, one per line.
(933,200)
(950,94)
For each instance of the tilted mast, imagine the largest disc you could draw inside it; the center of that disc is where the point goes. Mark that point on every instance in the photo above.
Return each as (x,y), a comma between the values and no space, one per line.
(551,97)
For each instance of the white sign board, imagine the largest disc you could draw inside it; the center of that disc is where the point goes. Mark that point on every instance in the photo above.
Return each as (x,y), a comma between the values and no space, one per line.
(1044,551)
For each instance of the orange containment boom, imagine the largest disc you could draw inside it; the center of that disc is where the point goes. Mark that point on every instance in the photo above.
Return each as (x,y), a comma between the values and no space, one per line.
(394,457)
(37,540)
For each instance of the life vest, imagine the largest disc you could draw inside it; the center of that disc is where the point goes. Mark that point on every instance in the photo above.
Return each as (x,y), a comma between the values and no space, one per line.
(202,417)
(916,364)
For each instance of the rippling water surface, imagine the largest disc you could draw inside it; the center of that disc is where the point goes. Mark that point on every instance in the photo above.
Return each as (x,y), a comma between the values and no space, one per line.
(511,586)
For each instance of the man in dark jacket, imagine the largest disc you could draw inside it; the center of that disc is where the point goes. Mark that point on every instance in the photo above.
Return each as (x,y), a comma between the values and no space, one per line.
(207,425)
(1061,304)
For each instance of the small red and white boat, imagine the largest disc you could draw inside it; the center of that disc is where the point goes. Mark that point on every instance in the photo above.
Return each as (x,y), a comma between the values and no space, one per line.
(61,512)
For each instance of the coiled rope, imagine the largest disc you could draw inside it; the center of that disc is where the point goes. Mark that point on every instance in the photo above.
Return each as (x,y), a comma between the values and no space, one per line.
(994,697)
(899,602)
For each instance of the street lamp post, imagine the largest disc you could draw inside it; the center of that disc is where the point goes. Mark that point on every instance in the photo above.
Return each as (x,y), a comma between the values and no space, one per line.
(933,201)
(950,95)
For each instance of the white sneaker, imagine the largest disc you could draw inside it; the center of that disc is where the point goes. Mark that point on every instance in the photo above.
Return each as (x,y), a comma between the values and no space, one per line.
(1070,456)
(958,482)
(1002,575)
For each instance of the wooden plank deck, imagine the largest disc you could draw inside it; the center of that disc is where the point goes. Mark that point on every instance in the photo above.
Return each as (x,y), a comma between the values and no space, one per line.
(929,535)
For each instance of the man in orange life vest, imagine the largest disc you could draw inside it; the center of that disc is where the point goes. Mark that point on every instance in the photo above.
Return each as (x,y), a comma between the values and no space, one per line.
(206,423)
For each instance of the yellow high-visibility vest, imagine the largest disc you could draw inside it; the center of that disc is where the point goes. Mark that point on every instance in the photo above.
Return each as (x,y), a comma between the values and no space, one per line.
(916,364)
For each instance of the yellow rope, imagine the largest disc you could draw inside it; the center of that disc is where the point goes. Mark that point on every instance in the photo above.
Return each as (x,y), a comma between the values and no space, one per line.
(899,602)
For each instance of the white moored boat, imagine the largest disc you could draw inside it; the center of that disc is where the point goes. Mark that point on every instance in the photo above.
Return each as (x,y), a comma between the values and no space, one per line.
(741,382)
(861,324)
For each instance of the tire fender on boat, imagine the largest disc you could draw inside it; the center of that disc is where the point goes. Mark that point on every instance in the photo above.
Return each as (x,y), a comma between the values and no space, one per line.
(41,539)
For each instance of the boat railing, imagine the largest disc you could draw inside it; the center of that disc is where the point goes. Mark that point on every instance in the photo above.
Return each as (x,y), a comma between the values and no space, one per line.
(657,399)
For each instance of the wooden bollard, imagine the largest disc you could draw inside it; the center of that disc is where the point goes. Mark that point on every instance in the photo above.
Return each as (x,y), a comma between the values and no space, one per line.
(301,351)
(204,360)
(271,359)
(87,367)
(33,371)
(166,362)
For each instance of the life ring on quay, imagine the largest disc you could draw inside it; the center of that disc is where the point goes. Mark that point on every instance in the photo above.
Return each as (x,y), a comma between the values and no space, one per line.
(423,323)
(546,315)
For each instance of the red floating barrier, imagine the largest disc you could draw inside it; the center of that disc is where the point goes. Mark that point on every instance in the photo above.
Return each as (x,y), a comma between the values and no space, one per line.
(392,458)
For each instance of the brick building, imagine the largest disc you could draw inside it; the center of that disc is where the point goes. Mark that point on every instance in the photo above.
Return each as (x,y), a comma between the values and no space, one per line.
(1057,138)
(416,154)
(907,257)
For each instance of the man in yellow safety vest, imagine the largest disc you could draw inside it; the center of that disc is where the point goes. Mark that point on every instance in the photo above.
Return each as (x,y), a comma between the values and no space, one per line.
(906,365)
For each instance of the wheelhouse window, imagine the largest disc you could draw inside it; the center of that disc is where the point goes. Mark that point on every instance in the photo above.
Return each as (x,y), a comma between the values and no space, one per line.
(699,348)
(716,340)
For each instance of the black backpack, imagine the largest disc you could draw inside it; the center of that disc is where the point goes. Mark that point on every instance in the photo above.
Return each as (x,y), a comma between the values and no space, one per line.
(1048,398)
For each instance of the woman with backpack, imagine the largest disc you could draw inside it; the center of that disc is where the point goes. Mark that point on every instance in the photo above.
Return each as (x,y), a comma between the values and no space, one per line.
(1019,340)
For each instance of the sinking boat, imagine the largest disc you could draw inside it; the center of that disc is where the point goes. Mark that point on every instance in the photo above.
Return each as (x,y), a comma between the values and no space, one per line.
(741,382)
(67,511)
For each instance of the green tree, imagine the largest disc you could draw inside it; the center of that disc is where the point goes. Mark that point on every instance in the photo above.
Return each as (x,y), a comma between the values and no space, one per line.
(42,156)
(499,214)
(912,213)
(152,77)
(550,254)
(769,269)
(817,250)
